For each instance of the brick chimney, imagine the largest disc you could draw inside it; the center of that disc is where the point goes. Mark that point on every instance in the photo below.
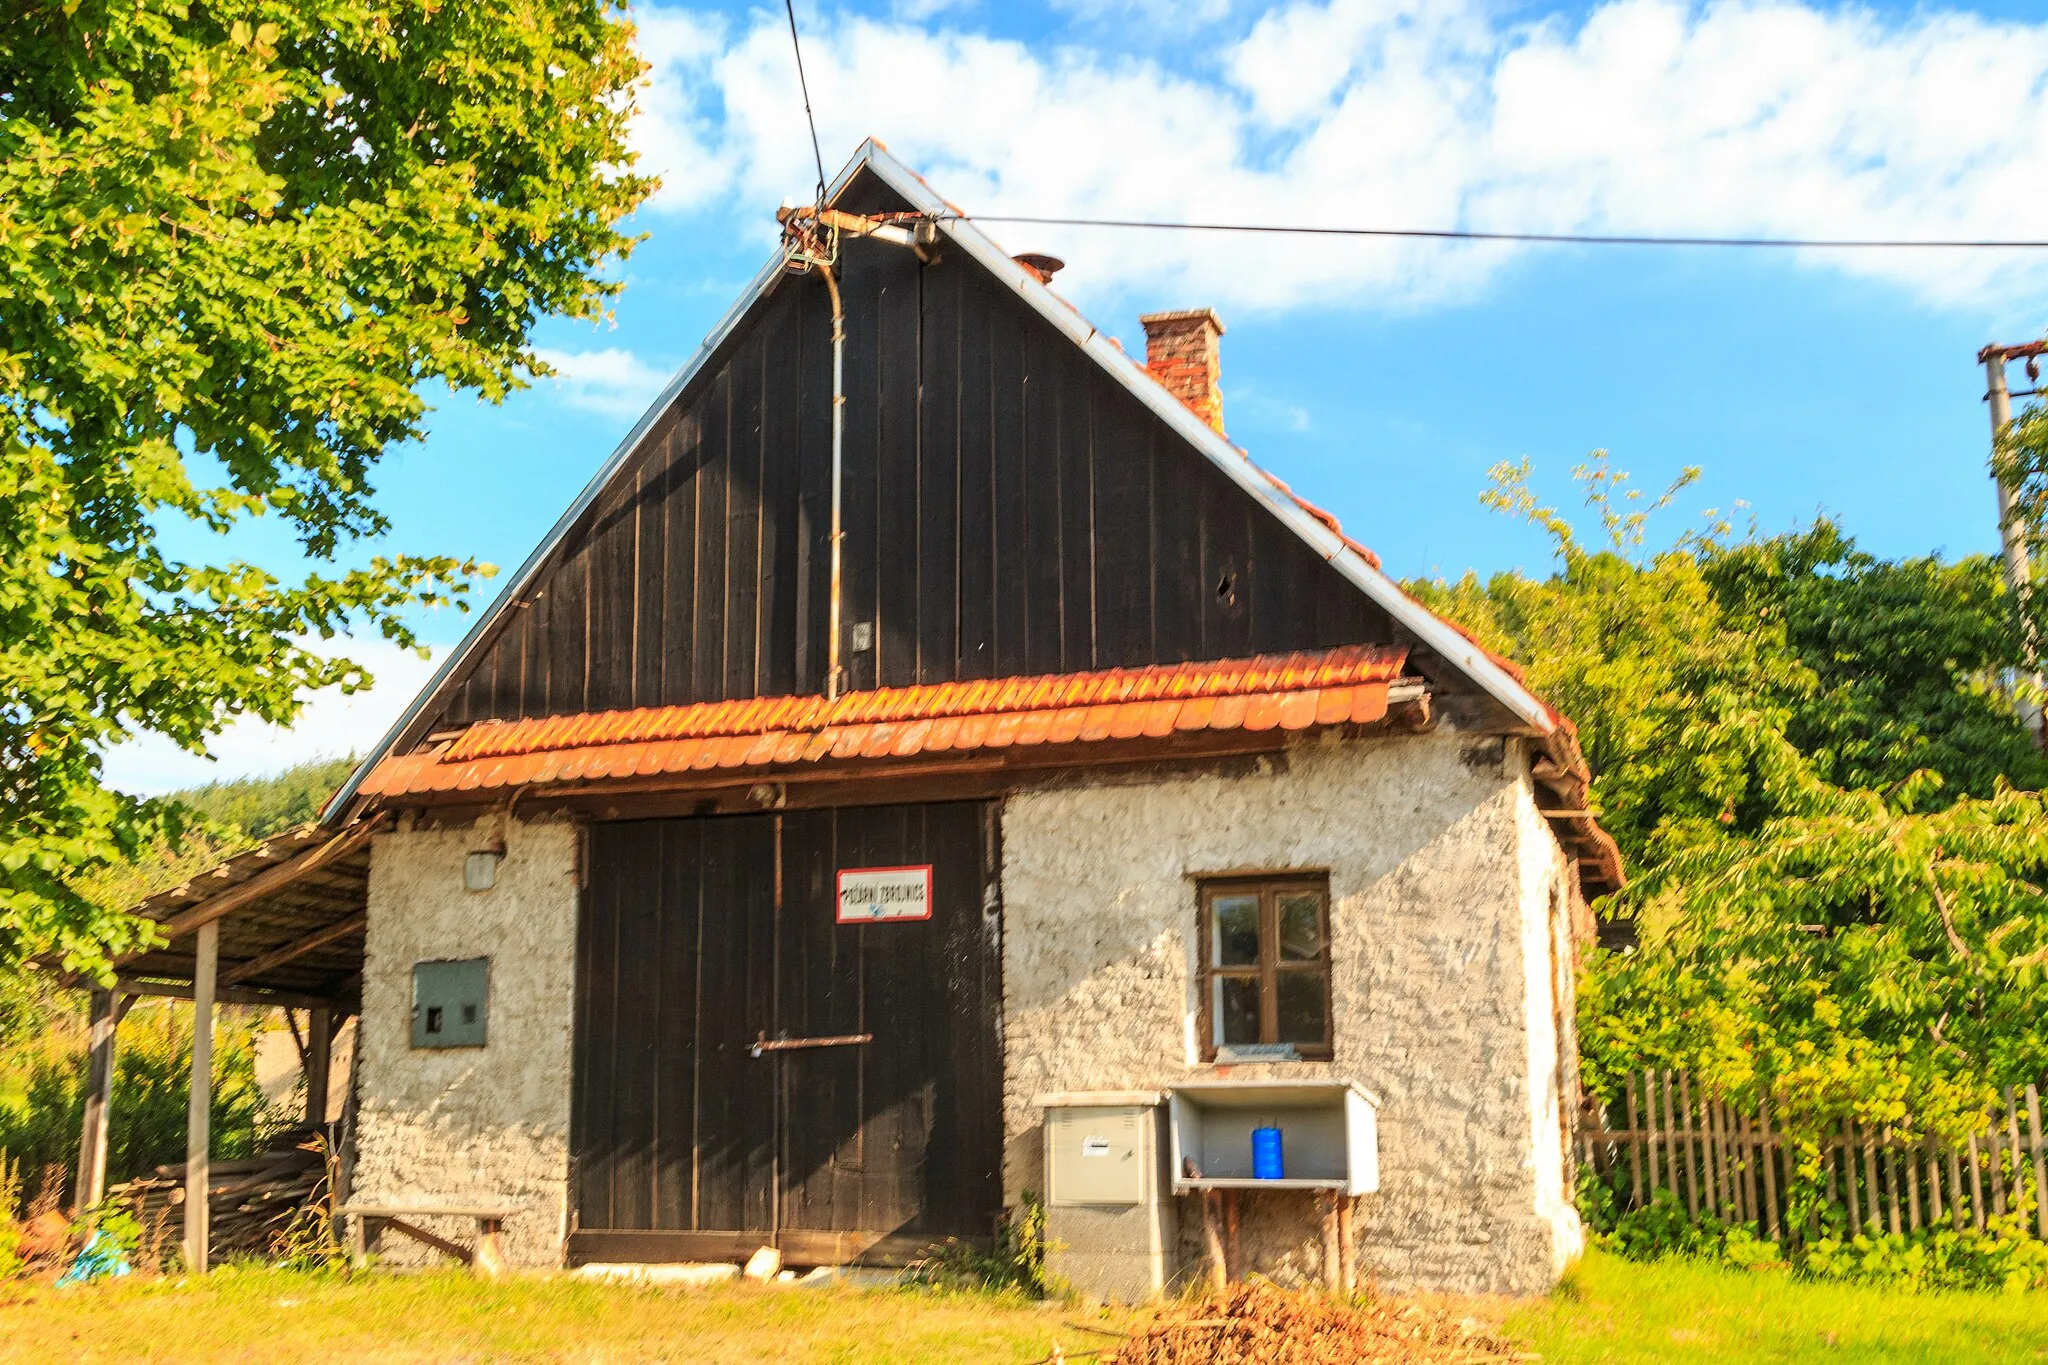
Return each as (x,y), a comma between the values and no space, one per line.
(1182,353)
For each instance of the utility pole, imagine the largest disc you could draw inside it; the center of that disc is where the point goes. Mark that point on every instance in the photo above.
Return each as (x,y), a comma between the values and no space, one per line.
(2012,535)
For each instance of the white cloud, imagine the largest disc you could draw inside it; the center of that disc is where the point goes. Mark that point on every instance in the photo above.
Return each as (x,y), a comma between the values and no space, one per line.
(1737,117)
(611,381)
(331,726)
(915,10)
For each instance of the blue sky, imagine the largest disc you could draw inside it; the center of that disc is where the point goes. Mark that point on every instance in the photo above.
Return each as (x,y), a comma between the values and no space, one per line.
(1380,380)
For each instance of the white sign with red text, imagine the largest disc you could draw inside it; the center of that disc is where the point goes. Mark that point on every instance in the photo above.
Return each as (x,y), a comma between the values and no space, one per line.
(881,895)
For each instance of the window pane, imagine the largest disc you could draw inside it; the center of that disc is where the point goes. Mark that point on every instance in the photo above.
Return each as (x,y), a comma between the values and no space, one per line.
(1301,927)
(1237,1010)
(1237,930)
(1301,1007)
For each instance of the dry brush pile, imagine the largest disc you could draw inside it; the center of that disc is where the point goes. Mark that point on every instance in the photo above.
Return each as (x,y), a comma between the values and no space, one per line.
(1261,1324)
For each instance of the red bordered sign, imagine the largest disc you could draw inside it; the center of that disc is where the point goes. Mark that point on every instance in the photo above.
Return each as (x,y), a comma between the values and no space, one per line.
(884,895)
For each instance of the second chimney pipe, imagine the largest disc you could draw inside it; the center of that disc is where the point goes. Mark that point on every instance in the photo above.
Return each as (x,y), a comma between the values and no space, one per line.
(1182,351)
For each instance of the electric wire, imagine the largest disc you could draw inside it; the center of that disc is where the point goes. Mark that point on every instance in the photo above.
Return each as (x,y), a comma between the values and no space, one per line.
(796,45)
(1557,238)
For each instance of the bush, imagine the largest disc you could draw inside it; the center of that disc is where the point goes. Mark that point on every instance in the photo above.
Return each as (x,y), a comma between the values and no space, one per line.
(42,1092)
(2005,1256)
(1014,1262)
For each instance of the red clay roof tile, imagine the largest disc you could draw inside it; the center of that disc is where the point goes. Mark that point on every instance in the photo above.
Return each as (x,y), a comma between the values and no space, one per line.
(1293,691)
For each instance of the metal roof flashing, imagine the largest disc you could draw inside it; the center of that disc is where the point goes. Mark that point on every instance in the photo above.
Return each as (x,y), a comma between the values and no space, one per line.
(1428,629)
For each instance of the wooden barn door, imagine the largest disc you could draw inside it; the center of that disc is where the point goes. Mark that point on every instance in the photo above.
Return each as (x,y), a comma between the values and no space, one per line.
(704,939)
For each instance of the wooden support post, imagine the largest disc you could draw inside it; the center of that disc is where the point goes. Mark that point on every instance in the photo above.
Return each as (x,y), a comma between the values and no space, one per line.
(2012,1129)
(1333,1272)
(488,1259)
(1347,1249)
(1692,1150)
(1745,1173)
(1767,1152)
(198,1110)
(1212,1236)
(1976,1185)
(1997,1166)
(1893,1197)
(1830,1162)
(1955,1189)
(1717,1124)
(1650,1120)
(1635,1138)
(1233,1263)
(2040,1162)
(105,1013)
(319,1059)
(1934,1180)
(1911,1157)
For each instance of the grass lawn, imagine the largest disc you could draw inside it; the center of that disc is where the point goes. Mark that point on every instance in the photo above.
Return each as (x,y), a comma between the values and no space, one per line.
(1611,1312)
(1615,1311)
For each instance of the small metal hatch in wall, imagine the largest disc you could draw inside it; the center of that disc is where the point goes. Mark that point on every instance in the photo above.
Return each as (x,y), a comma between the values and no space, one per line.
(450,1002)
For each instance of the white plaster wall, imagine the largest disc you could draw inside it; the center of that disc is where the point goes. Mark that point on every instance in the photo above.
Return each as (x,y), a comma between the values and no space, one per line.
(485,1125)
(1437,865)
(1548,1002)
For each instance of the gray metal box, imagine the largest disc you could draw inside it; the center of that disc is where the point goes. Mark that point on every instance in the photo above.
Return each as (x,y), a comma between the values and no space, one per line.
(1095,1155)
(450,1002)
(1108,1217)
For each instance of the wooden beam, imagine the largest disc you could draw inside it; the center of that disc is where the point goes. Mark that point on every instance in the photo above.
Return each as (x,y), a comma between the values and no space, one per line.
(312,942)
(199,1103)
(319,1054)
(422,1236)
(262,884)
(91,1185)
(178,990)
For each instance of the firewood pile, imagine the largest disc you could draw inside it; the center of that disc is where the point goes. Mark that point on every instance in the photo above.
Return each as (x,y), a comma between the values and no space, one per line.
(1259,1323)
(252,1199)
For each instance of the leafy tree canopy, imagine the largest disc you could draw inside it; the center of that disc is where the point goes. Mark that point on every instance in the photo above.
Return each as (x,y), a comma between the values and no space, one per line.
(1830,807)
(235,241)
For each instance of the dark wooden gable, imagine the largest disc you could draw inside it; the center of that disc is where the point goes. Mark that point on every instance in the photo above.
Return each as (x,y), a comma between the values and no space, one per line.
(1008,509)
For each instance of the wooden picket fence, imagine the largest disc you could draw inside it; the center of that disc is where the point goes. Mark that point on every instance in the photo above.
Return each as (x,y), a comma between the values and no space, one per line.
(1666,1134)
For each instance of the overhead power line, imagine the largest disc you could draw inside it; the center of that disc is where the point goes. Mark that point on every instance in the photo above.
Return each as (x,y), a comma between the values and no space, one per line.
(796,44)
(1561,238)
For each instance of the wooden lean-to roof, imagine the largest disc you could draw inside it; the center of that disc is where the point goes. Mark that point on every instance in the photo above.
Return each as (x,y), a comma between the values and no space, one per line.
(291,916)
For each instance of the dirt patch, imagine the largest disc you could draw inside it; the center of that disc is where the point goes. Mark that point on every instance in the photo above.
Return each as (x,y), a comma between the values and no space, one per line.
(1262,1324)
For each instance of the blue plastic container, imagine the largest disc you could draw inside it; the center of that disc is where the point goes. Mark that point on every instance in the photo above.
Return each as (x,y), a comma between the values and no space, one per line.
(1267,1162)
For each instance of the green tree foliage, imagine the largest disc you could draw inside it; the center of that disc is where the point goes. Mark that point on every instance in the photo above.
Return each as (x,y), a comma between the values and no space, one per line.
(42,1091)
(1830,811)
(255,807)
(235,242)
(1905,658)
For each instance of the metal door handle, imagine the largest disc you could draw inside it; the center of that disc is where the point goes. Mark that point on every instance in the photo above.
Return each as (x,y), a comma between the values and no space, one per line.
(763,1043)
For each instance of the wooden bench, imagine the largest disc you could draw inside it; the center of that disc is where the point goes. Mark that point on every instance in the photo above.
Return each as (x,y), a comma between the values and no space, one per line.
(486,1257)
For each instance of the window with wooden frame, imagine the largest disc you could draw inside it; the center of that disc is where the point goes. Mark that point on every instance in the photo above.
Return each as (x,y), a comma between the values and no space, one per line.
(1265,971)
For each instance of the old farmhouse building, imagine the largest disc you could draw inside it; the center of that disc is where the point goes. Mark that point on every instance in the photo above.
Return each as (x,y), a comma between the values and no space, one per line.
(931,766)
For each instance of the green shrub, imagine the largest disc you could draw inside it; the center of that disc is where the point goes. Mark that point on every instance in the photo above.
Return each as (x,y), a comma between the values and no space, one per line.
(11,1263)
(2005,1256)
(1014,1262)
(42,1092)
